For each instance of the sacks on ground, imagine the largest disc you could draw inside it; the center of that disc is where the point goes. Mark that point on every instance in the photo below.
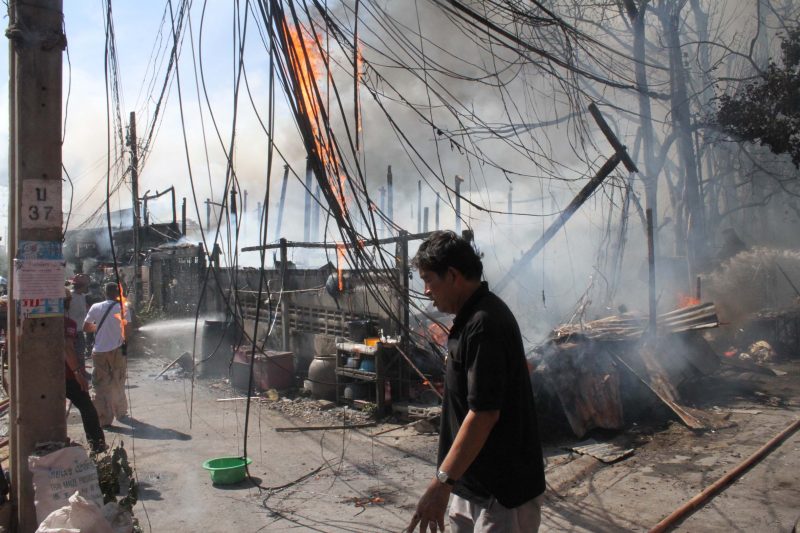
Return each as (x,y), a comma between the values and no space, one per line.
(58,475)
(80,516)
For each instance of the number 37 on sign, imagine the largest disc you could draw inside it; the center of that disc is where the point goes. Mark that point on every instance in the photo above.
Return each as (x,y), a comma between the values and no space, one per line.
(41,203)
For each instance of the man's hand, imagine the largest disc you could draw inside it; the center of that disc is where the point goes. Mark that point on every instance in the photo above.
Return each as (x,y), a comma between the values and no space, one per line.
(81,380)
(431,508)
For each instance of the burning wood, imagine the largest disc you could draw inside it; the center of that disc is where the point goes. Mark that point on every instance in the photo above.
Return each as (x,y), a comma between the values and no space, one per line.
(583,365)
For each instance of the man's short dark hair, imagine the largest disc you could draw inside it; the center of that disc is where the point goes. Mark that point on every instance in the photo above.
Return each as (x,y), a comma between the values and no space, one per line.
(112,291)
(445,249)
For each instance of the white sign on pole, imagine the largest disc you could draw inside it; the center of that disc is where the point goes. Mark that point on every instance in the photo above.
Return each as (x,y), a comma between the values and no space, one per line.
(38,278)
(41,203)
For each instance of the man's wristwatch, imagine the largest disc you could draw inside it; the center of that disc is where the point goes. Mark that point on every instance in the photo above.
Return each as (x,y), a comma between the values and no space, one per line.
(444,478)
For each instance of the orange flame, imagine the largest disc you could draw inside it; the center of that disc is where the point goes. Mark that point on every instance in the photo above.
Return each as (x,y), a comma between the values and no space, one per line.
(121,315)
(305,60)
(687,301)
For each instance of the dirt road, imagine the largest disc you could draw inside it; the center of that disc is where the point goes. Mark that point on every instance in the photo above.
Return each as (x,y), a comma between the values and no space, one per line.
(348,481)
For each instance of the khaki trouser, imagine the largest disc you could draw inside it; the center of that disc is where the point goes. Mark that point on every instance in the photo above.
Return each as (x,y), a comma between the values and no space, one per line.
(108,377)
(468,517)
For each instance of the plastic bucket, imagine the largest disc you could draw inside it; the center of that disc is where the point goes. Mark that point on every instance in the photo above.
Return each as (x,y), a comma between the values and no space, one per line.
(227,470)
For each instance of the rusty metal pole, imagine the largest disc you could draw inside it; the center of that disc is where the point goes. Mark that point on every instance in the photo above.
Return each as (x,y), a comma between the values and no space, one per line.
(37,392)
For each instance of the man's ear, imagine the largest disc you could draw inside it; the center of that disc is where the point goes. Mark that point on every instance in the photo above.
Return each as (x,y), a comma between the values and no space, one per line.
(454,271)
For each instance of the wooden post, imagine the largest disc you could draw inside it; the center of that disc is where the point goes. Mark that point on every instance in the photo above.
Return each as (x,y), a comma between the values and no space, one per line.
(174,207)
(403,271)
(183,217)
(390,195)
(458,204)
(284,302)
(37,390)
(651,277)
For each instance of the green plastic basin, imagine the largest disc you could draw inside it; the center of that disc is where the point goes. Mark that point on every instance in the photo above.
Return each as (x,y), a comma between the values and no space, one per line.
(227,470)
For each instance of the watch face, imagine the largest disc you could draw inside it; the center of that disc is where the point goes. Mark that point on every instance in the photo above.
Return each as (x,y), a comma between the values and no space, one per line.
(442,476)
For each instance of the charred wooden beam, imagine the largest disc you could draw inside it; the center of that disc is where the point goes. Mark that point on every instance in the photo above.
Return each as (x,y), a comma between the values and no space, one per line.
(565,215)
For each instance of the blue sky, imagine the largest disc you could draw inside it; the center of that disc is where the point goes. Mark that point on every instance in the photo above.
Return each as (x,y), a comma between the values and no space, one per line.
(140,38)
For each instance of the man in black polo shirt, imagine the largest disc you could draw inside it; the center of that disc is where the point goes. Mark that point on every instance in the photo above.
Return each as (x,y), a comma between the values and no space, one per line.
(490,456)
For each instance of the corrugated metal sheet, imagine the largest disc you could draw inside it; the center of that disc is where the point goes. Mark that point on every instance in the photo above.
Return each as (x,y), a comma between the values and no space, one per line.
(631,327)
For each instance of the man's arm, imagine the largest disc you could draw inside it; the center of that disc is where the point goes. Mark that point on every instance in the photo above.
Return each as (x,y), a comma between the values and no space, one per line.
(89,325)
(466,446)
(72,362)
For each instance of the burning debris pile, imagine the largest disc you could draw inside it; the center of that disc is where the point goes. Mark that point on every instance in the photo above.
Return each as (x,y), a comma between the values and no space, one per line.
(597,372)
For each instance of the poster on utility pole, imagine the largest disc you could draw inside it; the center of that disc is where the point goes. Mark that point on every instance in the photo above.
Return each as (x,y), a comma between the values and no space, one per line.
(39,279)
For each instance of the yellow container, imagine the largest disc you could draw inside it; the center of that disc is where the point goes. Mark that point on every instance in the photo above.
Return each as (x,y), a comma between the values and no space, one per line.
(372,341)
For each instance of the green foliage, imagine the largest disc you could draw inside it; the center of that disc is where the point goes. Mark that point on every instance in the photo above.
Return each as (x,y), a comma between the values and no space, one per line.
(768,110)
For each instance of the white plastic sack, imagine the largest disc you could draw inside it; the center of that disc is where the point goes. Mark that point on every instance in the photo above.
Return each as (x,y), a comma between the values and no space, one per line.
(58,475)
(80,516)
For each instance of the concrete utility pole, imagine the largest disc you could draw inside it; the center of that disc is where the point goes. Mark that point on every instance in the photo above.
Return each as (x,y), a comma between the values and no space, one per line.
(307,206)
(137,245)
(510,201)
(390,198)
(438,199)
(282,201)
(37,390)
(419,206)
(382,191)
(315,214)
(244,211)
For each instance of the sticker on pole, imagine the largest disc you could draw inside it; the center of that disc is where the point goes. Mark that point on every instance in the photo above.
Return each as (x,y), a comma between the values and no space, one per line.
(41,204)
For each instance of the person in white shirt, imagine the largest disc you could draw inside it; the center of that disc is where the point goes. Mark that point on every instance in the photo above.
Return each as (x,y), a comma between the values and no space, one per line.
(77,312)
(109,361)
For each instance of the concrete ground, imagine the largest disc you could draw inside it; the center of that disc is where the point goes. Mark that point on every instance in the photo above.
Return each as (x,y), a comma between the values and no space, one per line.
(348,481)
